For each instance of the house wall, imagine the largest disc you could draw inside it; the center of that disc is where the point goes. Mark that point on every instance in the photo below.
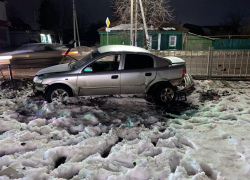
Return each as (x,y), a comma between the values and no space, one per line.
(120,38)
(4,31)
(165,41)
(114,38)
(3,11)
(231,44)
(20,37)
(192,42)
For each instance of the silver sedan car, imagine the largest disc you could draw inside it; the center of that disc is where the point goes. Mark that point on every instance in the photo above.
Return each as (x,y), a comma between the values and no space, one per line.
(114,69)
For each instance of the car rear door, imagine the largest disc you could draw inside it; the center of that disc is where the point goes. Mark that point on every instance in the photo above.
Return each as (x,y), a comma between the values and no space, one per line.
(138,71)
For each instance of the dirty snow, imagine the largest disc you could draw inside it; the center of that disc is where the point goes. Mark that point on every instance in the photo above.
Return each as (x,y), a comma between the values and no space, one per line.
(126,138)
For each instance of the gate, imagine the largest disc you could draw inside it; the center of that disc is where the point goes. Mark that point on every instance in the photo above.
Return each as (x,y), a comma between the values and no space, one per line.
(213,63)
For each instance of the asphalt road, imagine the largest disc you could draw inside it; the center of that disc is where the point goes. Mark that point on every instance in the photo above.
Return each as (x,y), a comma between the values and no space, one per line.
(28,67)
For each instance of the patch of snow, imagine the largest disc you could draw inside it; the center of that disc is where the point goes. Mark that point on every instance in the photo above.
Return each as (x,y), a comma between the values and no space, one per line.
(126,137)
(168,28)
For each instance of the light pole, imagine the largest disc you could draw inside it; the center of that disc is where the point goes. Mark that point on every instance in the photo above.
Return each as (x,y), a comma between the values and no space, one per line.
(75,25)
(145,26)
(136,10)
(131,23)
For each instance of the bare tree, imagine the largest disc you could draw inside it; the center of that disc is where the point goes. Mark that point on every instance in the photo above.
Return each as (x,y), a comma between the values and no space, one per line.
(56,15)
(232,22)
(246,26)
(62,16)
(156,11)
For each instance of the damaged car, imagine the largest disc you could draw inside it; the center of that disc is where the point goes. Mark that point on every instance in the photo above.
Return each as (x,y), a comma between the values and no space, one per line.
(115,69)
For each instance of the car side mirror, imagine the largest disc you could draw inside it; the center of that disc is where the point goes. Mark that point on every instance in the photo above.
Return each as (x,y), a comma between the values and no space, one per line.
(88,69)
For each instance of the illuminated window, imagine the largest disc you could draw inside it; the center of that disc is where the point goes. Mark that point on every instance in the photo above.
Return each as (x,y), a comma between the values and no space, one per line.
(46,38)
(172,41)
(43,38)
(49,38)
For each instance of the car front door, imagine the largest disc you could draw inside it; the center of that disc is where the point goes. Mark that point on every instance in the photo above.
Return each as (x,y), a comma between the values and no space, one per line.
(101,77)
(138,71)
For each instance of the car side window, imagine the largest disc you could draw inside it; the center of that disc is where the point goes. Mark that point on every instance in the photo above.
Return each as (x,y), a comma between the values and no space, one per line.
(39,48)
(48,48)
(138,61)
(106,63)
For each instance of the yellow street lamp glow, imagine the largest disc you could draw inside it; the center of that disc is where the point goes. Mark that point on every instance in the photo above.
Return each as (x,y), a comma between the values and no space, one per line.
(5,57)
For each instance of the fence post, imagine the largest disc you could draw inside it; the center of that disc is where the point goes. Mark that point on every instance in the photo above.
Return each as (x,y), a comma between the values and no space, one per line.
(210,63)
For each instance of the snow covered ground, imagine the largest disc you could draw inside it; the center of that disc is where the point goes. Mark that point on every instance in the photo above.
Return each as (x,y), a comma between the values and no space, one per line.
(126,138)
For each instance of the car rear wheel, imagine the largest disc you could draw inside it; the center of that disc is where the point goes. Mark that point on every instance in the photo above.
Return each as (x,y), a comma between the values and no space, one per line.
(165,94)
(58,92)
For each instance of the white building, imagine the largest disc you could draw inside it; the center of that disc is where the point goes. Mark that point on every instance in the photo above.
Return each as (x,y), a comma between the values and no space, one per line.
(4,32)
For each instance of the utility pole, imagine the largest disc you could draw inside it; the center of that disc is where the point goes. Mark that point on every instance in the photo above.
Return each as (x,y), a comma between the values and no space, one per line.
(131,23)
(75,25)
(145,26)
(136,10)
(79,43)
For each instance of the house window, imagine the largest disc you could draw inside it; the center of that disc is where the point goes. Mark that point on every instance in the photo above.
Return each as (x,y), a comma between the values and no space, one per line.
(172,41)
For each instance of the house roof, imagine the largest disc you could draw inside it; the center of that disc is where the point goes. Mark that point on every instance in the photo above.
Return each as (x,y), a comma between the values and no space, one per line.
(201,36)
(166,26)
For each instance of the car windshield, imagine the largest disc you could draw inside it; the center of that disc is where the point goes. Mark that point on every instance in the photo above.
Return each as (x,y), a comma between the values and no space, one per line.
(86,58)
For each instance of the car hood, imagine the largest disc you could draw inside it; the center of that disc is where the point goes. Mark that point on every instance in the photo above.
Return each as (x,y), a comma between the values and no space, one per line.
(175,60)
(15,52)
(54,69)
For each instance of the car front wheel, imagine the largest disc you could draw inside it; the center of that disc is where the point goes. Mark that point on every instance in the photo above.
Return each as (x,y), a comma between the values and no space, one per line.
(165,94)
(58,92)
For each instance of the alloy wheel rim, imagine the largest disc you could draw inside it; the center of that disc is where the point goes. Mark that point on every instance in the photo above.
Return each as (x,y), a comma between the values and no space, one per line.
(59,94)
(167,95)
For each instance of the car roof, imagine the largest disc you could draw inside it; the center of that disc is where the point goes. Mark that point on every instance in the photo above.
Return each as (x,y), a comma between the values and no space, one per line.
(46,44)
(120,48)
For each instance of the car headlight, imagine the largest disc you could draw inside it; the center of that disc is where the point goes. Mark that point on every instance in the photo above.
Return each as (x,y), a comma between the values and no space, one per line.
(37,80)
(5,57)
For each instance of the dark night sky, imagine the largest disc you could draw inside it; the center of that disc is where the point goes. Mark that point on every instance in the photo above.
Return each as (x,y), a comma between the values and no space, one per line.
(200,12)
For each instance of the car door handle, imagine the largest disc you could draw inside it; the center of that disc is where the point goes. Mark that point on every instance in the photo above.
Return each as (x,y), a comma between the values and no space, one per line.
(148,74)
(114,77)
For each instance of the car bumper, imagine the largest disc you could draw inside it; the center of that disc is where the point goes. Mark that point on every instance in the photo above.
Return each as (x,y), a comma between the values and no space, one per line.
(41,87)
(188,82)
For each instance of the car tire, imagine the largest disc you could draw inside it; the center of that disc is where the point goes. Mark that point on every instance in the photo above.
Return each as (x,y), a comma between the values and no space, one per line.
(58,92)
(165,94)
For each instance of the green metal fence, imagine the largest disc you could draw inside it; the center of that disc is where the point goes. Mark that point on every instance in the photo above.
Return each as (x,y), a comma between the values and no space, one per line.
(231,44)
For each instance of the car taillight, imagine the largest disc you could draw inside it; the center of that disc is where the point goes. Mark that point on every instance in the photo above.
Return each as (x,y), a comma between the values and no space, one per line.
(71,53)
(183,72)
